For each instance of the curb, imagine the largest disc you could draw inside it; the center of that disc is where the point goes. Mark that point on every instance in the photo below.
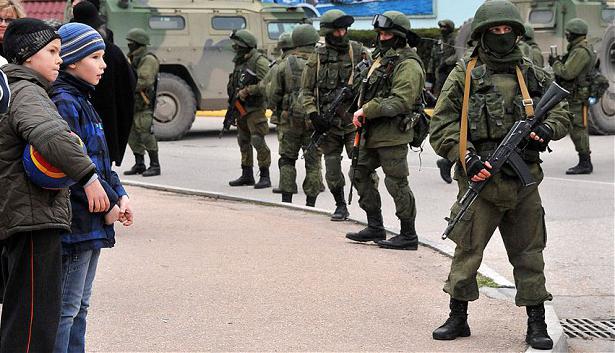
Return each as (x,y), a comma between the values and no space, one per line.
(504,291)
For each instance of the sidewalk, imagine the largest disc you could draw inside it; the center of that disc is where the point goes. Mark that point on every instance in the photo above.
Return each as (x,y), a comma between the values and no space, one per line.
(198,274)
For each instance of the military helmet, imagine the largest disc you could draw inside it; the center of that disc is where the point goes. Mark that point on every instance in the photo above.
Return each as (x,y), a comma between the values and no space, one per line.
(304,35)
(138,35)
(447,24)
(334,19)
(529,31)
(577,26)
(495,13)
(244,38)
(392,21)
(285,41)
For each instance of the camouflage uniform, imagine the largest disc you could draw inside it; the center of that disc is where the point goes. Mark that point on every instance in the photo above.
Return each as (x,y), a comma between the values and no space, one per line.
(572,73)
(330,68)
(393,90)
(297,131)
(530,48)
(443,56)
(495,104)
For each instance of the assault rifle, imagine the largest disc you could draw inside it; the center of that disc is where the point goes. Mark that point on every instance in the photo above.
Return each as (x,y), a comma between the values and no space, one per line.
(236,109)
(318,136)
(357,141)
(508,152)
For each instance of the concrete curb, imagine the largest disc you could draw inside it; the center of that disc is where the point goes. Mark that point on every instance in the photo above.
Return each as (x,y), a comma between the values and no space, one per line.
(505,291)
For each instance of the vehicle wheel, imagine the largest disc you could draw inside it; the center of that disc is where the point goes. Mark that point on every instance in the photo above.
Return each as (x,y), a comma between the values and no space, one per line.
(175,108)
(602,114)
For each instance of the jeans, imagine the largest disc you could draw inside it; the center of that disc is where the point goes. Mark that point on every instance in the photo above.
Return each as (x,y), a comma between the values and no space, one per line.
(78,271)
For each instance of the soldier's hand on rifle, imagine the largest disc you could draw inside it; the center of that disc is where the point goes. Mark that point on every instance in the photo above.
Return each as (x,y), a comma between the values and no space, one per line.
(243,93)
(477,170)
(540,137)
(358,119)
(317,121)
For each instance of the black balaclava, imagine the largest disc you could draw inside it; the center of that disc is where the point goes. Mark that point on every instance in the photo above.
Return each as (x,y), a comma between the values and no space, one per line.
(393,43)
(338,42)
(132,46)
(571,37)
(499,45)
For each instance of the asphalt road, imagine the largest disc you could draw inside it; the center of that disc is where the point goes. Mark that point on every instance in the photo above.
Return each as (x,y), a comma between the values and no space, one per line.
(579,209)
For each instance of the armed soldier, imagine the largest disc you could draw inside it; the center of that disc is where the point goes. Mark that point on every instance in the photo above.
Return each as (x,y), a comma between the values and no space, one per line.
(253,126)
(392,92)
(331,68)
(572,72)
(142,136)
(530,48)
(501,88)
(297,130)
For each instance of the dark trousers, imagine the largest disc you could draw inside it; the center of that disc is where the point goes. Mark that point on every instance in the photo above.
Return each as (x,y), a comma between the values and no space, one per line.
(32,268)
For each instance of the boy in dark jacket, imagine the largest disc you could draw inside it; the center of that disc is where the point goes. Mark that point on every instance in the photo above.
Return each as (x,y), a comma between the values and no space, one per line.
(32,218)
(83,65)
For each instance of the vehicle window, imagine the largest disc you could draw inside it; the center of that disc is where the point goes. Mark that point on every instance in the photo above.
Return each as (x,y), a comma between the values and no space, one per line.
(543,16)
(228,23)
(608,15)
(275,29)
(167,22)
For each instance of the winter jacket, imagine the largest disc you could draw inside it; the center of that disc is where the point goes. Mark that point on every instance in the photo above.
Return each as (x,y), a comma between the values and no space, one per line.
(88,230)
(33,118)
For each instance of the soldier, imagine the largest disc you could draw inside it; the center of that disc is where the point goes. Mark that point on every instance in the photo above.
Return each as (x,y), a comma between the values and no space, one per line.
(497,73)
(142,136)
(330,68)
(252,128)
(530,48)
(572,72)
(441,62)
(393,90)
(297,128)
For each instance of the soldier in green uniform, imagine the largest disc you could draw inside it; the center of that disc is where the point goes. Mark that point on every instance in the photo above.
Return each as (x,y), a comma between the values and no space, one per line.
(497,73)
(331,67)
(572,72)
(142,136)
(298,129)
(251,128)
(391,93)
(530,48)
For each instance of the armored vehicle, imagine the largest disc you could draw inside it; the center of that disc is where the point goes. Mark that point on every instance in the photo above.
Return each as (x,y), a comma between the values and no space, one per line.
(191,40)
(548,18)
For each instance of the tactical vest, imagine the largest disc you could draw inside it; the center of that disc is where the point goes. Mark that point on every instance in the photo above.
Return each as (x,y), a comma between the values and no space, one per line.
(335,70)
(292,76)
(380,81)
(140,103)
(579,86)
(235,78)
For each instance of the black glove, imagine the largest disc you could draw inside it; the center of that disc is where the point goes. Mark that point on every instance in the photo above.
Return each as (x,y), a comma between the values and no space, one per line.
(473,164)
(545,132)
(319,123)
(552,60)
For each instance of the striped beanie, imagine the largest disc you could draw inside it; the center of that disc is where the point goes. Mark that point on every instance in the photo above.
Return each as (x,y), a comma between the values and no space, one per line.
(78,41)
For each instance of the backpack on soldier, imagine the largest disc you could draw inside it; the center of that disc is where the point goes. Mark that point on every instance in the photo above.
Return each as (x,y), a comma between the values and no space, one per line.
(598,83)
(420,123)
(292,77)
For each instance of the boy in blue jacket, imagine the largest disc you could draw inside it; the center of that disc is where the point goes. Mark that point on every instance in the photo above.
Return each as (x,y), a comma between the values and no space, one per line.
(83,65)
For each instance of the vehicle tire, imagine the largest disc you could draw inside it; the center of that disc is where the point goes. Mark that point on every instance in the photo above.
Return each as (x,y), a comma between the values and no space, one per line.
(175,108)
(602,114)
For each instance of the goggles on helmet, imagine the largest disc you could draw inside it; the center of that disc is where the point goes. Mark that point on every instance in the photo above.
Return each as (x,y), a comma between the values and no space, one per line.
(384,23)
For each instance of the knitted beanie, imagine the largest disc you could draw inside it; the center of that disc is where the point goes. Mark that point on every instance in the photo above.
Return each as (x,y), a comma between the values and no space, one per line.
(24,37)
(85,12)
(78,41)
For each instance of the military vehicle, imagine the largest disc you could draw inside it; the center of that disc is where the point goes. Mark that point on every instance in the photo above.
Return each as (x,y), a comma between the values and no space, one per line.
(548,18)
(191,40)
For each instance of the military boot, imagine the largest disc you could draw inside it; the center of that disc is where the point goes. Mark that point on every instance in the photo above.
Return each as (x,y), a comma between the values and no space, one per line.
(310,201)
(457,323)
(341,211)
(537,336)
(154,164)
(287,197)
(373,232)
(584,167)
(445,169)
(406,240)
(263,181)
(139,166)
(246,178)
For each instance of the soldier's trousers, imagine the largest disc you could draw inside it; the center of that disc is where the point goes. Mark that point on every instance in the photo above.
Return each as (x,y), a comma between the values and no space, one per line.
(332,148)
(579,134)
(518,213)
(251,131)
(394,163)
(294,137)
(142,136)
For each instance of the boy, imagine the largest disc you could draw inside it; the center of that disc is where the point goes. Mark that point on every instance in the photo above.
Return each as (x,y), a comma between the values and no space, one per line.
(82,67)
(32,218)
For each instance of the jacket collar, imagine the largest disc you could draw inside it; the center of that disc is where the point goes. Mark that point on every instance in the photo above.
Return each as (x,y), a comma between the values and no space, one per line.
(19,72)
(71,83)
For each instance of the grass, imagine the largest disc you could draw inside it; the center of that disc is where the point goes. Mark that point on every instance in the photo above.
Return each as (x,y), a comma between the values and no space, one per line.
(486,282)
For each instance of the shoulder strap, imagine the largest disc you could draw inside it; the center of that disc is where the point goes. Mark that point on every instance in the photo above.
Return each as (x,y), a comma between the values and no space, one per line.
(528,104)
(463,130)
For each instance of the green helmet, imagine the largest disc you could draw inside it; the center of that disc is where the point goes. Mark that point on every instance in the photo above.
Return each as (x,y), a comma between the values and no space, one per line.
(285,41)
(304,35)
(244,38)
(495,13)
(447,24)
(334,19)
(138,35)
(529,31)
(577,26)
